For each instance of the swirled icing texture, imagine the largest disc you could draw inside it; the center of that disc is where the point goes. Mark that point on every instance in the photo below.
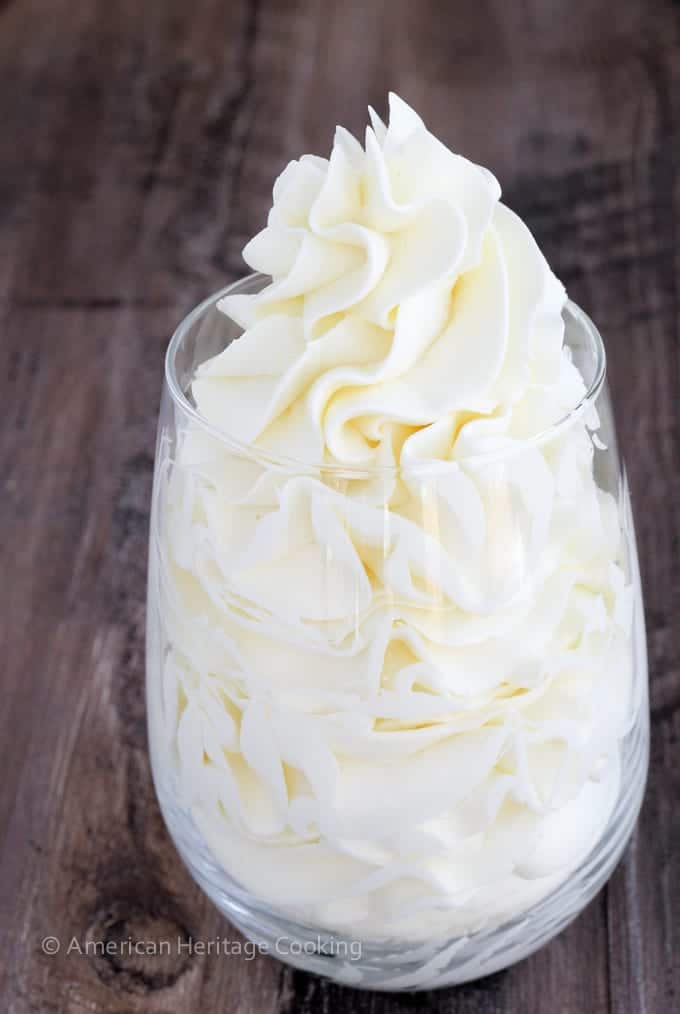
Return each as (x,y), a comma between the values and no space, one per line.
(393,698)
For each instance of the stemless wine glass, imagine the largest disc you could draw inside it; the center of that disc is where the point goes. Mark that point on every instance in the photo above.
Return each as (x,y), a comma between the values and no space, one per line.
(398,716)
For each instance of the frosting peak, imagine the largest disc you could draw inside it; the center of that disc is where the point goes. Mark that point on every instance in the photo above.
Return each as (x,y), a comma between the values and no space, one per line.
(403,293)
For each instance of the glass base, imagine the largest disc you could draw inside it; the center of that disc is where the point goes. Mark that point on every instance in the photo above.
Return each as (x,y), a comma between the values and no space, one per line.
(399,965)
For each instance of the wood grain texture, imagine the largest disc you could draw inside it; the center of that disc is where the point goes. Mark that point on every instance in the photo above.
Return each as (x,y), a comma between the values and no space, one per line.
(138,149)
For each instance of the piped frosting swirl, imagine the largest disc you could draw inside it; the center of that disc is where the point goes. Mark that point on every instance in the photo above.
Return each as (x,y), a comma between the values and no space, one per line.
(393,699)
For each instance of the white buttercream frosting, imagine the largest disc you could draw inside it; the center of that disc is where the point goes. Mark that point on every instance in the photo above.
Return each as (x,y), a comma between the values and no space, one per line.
(403,294)
(393,695)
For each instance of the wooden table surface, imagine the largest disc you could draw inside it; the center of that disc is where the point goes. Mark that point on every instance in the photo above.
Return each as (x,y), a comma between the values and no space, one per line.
(139,140)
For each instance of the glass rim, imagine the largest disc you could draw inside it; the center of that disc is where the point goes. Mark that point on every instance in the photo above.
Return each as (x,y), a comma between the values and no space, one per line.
(288,462)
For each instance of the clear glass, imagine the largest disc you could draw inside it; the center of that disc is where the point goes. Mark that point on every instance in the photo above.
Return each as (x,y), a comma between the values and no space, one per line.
(389,709)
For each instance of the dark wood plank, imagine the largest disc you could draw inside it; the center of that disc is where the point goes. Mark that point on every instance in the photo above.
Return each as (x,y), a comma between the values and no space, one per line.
(138,150)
